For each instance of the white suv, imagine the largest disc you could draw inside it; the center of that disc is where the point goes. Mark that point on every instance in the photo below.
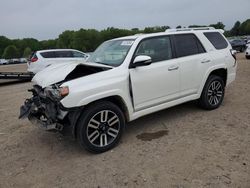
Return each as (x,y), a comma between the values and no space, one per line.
(129,77)
(41,59)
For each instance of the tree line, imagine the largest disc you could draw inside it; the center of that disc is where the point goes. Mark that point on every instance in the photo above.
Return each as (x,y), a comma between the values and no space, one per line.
(87,40)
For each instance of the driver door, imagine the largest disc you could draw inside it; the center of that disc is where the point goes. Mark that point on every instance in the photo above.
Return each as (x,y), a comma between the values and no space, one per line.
(158,82)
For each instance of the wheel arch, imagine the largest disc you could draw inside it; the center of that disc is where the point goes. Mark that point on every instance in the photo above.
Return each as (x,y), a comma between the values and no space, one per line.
(116,99)
(218,71)
(222,72)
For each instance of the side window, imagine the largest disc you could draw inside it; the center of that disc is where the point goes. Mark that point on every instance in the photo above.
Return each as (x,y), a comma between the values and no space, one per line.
(48,55)
(217,40)
(188,44)
(63,54)
(78,54)
(159,48)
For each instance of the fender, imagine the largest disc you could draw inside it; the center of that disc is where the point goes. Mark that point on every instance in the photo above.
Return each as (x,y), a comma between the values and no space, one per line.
(209,71)
(107,94)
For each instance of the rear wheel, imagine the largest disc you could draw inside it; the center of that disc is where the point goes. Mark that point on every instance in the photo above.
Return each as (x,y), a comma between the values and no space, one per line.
(100,127)
(213,93)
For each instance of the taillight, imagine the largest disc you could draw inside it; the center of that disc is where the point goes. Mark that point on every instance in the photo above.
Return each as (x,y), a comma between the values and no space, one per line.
(233,52)
(33,59)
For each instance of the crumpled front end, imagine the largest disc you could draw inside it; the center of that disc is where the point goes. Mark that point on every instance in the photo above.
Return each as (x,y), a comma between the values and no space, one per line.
(44,109)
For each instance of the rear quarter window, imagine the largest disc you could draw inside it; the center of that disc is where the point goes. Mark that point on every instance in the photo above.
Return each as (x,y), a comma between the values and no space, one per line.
(217,40)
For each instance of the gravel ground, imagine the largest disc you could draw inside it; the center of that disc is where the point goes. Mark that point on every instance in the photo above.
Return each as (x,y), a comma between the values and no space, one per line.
(180,147)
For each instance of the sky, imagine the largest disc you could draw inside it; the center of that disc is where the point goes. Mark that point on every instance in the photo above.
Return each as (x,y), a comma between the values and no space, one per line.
(46,19)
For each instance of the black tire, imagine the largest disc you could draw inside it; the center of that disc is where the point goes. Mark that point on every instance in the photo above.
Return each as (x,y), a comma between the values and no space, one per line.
(88,128)
(212,97)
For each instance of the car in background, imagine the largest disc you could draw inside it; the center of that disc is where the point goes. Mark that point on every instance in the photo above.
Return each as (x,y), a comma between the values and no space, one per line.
(248,44)
(3,62)
(22,60)
(238,44)
(39,60)
(248,52)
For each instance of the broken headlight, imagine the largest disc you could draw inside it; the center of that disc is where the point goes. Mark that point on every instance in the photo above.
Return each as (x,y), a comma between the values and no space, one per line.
(57,93)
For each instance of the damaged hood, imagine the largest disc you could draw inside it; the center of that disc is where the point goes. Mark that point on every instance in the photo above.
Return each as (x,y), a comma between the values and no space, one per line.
(58,72)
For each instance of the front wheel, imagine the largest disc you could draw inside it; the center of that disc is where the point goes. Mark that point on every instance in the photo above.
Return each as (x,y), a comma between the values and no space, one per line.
(100,127)
(213,93)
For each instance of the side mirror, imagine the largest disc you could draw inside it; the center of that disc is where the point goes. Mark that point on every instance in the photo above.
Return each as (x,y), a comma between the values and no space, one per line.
(142,60)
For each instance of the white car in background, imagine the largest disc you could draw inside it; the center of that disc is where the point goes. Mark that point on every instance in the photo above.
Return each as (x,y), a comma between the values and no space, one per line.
(41,59)
(3,62)
(248,43)
(248,52)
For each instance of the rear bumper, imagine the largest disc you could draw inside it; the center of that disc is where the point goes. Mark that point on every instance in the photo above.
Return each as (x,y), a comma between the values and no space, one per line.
(232,73)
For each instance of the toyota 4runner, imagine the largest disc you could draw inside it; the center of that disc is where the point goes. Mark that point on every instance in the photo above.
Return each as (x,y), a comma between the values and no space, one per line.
(127,78)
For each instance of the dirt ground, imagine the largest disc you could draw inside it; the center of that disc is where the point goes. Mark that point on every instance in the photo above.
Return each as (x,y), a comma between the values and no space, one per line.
(179,147)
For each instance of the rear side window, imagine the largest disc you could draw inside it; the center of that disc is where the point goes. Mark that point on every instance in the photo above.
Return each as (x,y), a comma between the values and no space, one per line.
(188,44)
(217,40)
(63,54)
(48,55)
(158,48)
(57,54)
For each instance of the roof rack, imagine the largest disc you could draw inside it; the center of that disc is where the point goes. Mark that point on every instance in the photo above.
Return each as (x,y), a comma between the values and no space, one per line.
(190,29)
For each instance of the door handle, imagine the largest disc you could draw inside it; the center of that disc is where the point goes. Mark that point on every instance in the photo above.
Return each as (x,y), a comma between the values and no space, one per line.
(172,68)
(206,61)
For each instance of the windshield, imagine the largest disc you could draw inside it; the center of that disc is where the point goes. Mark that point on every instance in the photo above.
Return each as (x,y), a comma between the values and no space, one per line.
(111,53)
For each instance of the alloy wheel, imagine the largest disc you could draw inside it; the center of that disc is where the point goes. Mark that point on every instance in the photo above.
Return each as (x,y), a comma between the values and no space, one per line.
(103,128)
(215,93)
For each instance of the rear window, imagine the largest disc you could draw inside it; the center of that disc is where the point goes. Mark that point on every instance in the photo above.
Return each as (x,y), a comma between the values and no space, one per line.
(32,55)
(188,44)
(217,40)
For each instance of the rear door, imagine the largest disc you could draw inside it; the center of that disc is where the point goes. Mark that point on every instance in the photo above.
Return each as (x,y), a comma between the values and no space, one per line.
(159,82)
(193,61)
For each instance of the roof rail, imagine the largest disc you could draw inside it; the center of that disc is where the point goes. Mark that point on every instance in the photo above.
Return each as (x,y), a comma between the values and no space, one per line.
(190,29)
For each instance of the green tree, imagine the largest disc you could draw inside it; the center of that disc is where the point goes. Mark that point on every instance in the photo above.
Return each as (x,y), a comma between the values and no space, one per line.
(4,42)
(245,28)
(10,52)
(218,25)
(27,52)
(178,27)
(48,44)
(235,31)
(65,39)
